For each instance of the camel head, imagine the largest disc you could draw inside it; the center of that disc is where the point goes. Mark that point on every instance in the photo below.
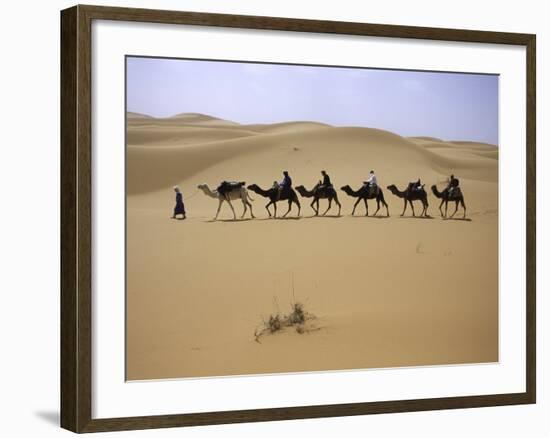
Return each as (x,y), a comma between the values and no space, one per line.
(436,192)
(346,189)
(206,190)
(302,190)
(392,188)
(254,187)
(350,192)
(305,192)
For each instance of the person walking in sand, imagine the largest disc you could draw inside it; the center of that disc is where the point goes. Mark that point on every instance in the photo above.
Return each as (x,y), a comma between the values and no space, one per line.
(179,209)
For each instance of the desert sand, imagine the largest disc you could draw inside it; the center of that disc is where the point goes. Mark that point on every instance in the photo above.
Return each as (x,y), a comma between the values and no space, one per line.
(386,292)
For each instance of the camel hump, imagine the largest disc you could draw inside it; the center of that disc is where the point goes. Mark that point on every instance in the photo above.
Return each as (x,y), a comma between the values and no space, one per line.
(228,186)
(457,192)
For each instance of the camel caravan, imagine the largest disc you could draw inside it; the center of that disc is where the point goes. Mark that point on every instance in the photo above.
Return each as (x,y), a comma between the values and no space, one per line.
(282,191)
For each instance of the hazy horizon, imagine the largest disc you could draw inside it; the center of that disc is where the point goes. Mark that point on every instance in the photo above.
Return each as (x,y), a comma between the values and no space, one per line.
(450,106)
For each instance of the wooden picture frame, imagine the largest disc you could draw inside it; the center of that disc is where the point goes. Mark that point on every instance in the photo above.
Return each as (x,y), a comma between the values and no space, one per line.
(76,218)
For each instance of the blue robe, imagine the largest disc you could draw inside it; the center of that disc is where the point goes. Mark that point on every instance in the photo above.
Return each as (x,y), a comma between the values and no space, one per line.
(179,208)
(286,183)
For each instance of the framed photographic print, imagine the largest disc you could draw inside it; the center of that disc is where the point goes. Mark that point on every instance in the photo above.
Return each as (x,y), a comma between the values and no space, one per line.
(269,218)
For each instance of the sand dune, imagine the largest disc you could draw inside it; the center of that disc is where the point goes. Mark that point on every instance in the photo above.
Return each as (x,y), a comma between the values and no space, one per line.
(201,119)
(133,116)
(388,292)
(148,135)
(278,128)
(165,151)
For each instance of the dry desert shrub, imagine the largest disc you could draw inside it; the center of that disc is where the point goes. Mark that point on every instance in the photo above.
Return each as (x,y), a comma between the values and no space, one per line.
(298,318)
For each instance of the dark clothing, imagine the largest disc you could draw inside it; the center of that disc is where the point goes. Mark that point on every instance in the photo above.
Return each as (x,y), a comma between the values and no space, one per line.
(417,185)
(326,180)
(287,182)
(373,189)
(452,186)
(453,182)
(179,208)
(284,187)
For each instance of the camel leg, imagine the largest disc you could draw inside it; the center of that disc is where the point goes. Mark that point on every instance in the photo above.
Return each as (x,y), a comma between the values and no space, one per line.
(446,206)
(387,209)
(289,207)
(355,205)
(299,207)
(464,207)
(456,208)
(232,209)
(366,206)
(245,208)
(312,206)
(219,208)
(377,207)
(329,205)
(404,208)
(275,209)
(267,208)
(251,213)
(412,207)
(339,206)
(440,205)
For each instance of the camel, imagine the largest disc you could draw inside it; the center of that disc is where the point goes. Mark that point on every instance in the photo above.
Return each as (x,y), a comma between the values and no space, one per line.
(363,194)
(237,193)
(320,193)
(446,197)
(410,195)
(273,194)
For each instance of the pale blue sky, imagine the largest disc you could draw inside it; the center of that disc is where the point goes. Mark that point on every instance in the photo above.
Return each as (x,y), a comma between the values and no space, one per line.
(451,106)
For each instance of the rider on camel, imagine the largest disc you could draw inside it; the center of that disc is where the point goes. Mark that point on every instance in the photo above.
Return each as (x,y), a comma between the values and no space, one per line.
(285,185)
(452,185)
(371,183)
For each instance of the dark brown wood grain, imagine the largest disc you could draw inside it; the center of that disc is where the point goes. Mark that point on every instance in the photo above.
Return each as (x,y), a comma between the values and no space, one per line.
(531,216)
(76,218)
(69,327)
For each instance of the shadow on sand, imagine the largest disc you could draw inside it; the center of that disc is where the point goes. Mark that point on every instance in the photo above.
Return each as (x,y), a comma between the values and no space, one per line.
(369,217)
(460,219)
(416,217)
(244,219)
(328,216)
(280,218)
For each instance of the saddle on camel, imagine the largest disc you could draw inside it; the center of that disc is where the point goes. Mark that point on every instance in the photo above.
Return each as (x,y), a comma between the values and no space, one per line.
(415,186)
(228,186)
(324,187)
